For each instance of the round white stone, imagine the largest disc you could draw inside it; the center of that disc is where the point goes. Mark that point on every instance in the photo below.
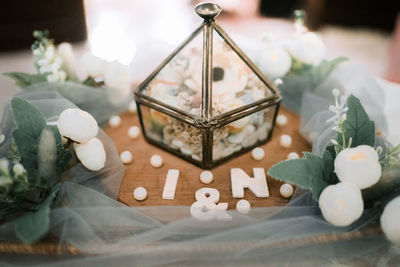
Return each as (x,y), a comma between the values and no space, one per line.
(126,157)
(390,220)
(286,190)
(156,161)
(257,153)
(341,204)
(243,206)
(206,177)
(293,155)
(132,108)
(285,140)
(114,121)
(133,132)
(281,120)
(140,193)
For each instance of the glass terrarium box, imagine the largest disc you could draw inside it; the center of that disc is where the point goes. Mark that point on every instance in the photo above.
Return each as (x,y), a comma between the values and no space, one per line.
(207,102)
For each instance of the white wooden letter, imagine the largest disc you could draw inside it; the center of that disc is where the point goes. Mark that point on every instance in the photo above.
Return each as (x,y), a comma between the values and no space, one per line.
(170,184)
(240,180)
(205,208)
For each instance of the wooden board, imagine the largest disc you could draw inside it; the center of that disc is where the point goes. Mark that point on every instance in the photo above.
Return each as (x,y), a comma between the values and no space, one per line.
(141,173)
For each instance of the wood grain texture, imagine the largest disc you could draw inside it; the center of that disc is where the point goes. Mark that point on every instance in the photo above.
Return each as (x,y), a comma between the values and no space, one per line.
(141,173)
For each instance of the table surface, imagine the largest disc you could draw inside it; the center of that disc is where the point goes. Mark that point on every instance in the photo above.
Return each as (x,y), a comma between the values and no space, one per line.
(141,173)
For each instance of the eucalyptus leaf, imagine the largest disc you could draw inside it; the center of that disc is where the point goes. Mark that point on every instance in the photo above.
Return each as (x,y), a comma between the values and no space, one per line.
(357,125)
(310,172)
(325,68)
(30,123)
(23,79)
(305,78)
(34,225)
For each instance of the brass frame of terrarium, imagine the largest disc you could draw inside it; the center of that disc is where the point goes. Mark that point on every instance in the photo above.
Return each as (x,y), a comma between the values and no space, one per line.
(206,122)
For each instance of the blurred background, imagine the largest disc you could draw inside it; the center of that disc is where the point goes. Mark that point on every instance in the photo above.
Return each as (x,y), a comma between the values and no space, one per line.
(142,33)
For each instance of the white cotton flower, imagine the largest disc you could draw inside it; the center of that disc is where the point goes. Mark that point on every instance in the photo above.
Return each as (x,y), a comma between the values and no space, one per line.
(18,169)
(118,82)
(4,164)
(91,154)
(50,52)
(307,48)
(390,220)
(275,62)
(78,125)
(359,165)
(341,204)
(2,137)
(93,65)
(5,180)
(68,60)
(52,78)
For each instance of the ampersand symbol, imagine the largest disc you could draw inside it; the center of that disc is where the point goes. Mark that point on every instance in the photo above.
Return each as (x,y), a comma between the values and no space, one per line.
(205,208)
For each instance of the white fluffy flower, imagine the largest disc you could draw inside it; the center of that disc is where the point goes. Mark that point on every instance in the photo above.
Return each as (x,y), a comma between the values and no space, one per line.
(68,58)
(91,154)
(359,165)
(18,169)
(118,82)
(93,65)
(307,48)
(390,220)
(275,62)
(4,164)
(78,125)
(341,204)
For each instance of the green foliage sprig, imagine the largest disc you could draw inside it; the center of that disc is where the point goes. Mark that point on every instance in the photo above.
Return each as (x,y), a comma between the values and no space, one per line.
(28,187)
(314,172)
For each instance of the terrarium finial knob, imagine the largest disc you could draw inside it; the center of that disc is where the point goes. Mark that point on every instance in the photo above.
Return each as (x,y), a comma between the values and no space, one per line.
(207,10)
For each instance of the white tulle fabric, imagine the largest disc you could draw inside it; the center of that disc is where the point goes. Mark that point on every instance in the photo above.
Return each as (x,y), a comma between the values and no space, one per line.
(109,233)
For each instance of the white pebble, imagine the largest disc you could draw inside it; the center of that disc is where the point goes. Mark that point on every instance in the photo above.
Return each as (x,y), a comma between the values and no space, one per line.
(243,206)
(286,190)
(133,132)
(126,157)
(281,120)
(278,82)
(132,108)
(257,153)
(156,161)
(114,121)
(206,177)
(140,193)
(293,155)
(285,140)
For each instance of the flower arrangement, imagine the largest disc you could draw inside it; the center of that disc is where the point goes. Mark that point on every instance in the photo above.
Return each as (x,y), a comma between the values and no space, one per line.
(296,65)
(57,70)
(34,160)
(354,172)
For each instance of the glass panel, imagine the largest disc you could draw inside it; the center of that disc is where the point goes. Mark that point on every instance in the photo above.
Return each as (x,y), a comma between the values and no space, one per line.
(179,82)
(234,83)
(243,133)
(178,135)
